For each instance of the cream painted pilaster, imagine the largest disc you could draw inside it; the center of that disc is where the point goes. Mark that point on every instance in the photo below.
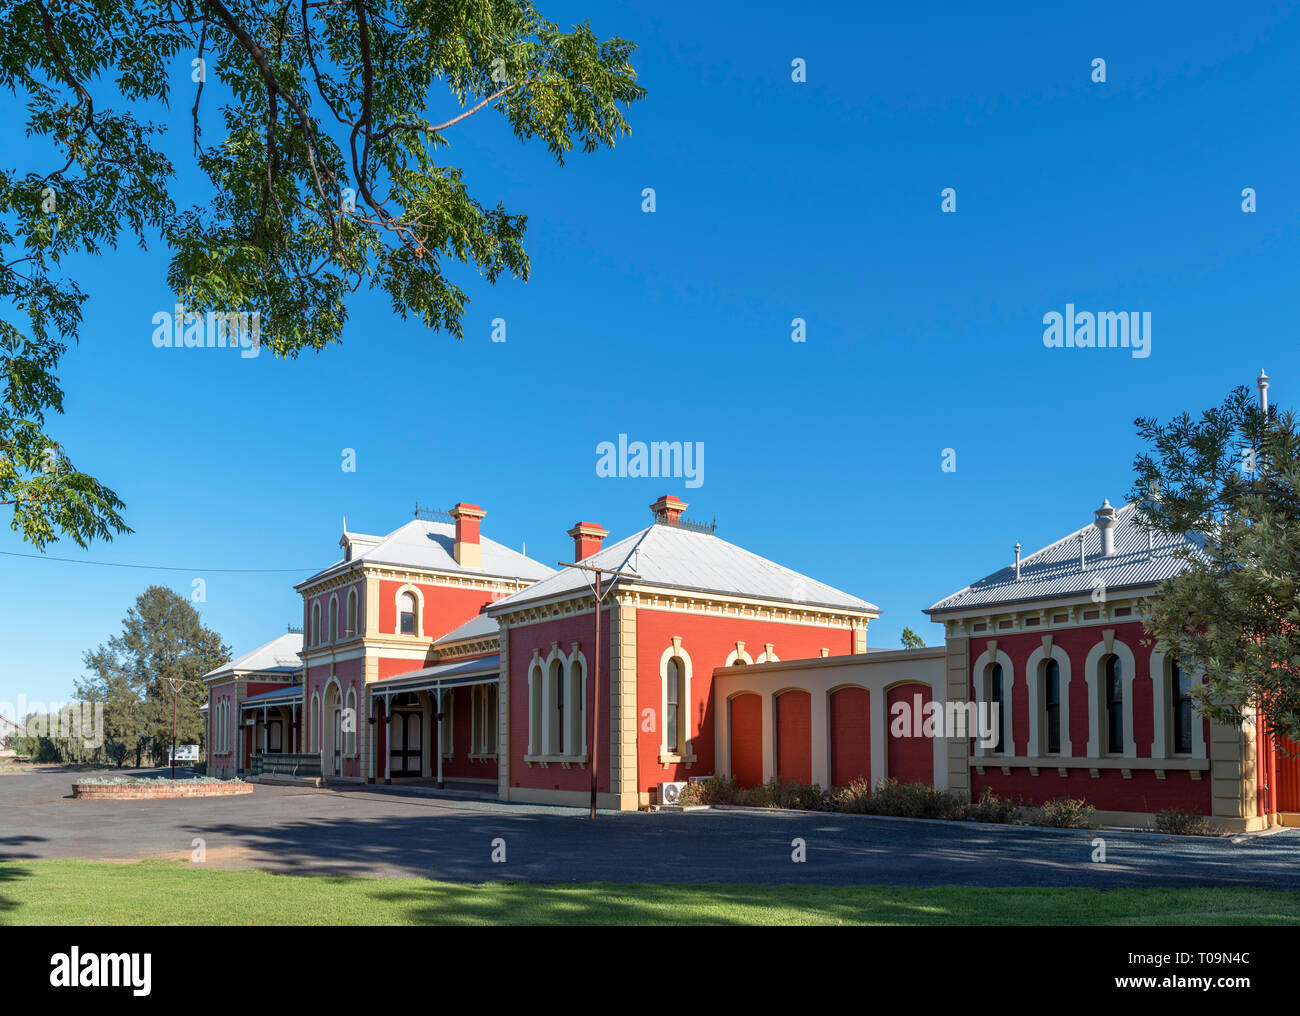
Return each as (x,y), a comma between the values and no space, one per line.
(503,716)
(820,721)
(958,688)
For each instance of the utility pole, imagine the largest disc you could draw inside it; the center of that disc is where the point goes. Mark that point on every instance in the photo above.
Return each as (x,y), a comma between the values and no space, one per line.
(595,584)
(175,695)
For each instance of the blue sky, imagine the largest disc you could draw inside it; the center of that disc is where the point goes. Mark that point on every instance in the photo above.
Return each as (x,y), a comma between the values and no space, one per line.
(775,200)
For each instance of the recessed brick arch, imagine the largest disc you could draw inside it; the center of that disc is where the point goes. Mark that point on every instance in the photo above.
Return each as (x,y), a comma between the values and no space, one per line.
(910,757)
(794,736)
(746,728)
(850,733)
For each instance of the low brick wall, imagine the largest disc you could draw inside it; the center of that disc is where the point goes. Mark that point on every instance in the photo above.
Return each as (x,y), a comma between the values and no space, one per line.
(165,789)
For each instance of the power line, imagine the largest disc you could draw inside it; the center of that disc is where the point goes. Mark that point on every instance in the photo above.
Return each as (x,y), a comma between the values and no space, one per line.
(155,567)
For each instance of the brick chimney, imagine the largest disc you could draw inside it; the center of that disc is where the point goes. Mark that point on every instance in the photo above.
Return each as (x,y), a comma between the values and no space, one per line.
(467,550)
(586,539)
(669,509)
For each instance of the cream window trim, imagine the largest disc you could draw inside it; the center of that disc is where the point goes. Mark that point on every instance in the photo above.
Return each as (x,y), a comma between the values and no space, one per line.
(1036,677)
(414,590)
(684,729)
(1094,678)
(982,696)
(1162,703)
(447,725)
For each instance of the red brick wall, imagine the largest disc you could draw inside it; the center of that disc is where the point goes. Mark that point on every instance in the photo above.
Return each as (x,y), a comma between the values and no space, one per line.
(708,641)
(445,607)
(911,757)
(794,737)
(1108,792)
(523,640)
(461,766)
(747,739)
(850,721)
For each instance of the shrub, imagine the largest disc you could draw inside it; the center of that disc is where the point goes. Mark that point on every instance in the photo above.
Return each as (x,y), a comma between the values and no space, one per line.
(901,800)
(1066,813)
(800,796)
(854,799)
(714,790)
(1184,823)
(991,808)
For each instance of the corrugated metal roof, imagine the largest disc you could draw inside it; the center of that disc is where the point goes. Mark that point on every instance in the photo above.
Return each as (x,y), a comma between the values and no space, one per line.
(425,544)
(280,655)
(478,667)
(479,626)
(1054,571)
(677,558)
(276,695)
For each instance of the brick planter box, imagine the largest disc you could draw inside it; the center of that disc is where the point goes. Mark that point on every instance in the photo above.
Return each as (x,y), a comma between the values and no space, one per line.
(165,789)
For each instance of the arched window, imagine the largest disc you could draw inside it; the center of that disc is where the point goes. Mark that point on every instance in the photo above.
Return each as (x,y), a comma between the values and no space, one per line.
(674,694)
(350,723)
(483,701)
(535,711)
(315,623)
(334,618)
(448,725)
(352,613)
(1180,698)
(1052,705)
(577,699)
(558,744)
(315,723)
(1114,699)
(997,704)
(408,606)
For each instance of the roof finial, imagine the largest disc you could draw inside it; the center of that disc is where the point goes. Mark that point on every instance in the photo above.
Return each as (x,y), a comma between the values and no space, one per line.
(1017,560)
(1261,383)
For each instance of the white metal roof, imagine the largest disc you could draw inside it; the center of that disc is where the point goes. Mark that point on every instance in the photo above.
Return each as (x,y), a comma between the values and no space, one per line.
(1054,571)
(279,656)
(425,544)
(479,626)
(678,558)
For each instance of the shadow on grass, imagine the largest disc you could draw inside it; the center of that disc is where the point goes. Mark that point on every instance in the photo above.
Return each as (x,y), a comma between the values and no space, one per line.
(10,873)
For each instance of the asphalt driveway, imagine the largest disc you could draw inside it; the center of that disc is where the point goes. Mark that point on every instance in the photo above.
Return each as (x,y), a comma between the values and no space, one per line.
(376,832)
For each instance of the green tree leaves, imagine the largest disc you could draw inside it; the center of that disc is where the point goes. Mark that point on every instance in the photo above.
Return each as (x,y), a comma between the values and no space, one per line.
(1234,614)
(330,176)
(163,640)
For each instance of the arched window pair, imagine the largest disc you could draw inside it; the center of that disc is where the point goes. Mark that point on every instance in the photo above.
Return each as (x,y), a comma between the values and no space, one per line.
(557,708)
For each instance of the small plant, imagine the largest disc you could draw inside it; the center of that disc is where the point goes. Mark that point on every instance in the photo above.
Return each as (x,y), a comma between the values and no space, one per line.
(900,800)
(800,796)
(1177,822)
(1066,813)
(714,790)
(854,799)
(991,808)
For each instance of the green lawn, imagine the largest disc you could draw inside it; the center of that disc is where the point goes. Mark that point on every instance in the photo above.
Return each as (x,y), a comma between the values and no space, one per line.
(174,892)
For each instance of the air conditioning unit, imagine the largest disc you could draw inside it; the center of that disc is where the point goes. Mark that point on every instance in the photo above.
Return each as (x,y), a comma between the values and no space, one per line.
(670,792)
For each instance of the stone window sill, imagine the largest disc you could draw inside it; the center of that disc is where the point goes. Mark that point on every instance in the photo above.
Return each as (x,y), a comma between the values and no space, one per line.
(568,761)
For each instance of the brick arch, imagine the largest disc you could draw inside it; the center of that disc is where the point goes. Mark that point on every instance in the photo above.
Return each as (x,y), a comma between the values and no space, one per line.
(850,734)
(745,722)
(793,735)
(910,759)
